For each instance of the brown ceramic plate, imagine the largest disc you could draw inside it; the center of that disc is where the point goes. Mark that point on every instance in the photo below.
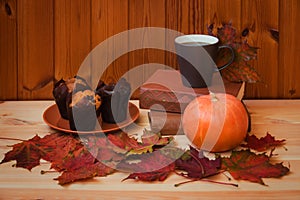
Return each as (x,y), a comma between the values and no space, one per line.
(53,119)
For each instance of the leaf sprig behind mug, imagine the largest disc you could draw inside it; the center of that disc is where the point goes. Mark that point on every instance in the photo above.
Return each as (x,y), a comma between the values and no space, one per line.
(240,70)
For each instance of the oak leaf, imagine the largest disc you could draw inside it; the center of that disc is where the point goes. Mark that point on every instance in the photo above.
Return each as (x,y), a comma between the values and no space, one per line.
(246,165)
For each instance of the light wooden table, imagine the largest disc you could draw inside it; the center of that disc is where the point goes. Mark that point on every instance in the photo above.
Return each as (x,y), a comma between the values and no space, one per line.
(24,119)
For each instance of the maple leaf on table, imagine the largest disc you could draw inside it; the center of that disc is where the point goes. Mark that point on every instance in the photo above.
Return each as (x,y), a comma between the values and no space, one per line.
(85,172)
(57,146)
(83,166)
(53,148)
(262,143)
(78,165)
(27,153)
(130,145)
(154,139)
(246,165)
(196,165)
(240,69)
(122,143)
(148,167)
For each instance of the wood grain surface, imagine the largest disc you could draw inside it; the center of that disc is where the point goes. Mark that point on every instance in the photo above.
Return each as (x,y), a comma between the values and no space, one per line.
(8,50)
(72,36)
(258,22)
(289,48)
(108,19)
(23,120)
(35,48)
(45,40)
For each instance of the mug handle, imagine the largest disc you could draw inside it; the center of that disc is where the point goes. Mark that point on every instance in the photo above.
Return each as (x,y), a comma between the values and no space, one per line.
(232,57)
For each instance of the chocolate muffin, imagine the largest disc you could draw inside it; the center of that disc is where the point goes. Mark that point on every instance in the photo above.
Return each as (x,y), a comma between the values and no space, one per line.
(77,103)
(115,98)
(82,107)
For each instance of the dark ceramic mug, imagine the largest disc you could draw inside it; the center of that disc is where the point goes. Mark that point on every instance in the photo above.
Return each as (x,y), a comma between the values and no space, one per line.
(196,54)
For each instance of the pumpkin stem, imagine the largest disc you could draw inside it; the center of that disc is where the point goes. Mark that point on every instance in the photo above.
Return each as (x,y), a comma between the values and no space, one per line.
(214,98)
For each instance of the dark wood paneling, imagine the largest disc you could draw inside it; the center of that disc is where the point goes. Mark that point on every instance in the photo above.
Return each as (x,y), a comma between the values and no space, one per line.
(222,11)
(259,17)
(145,13)
(188,19)
(43,40)
(108,19)
(8,49)
(35,49)
(259,23)
(72,36)
(289,49)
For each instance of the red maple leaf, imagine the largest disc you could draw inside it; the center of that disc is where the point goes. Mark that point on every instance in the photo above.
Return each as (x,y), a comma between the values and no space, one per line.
(123,141)
(74,160)
(81,165)
(27,153)
(130,145)
(196,165)
(152,138)
(57,146)
(240,69)
(262,143)
(84,172)
(246,165)
(148,167)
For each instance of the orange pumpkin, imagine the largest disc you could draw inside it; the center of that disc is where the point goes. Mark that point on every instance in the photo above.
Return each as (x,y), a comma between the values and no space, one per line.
(215,122)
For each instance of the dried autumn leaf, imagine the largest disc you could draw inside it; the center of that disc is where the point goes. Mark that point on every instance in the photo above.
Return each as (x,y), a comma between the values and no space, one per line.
(57,146)
(246,165)
(148,167)
(84,172)
(160,174)
(130,145)
(78,165)
(53,147)
(240,69)
(153,138)
(27,153)
(74,160)
(196,165)
(262,143)
(123,141)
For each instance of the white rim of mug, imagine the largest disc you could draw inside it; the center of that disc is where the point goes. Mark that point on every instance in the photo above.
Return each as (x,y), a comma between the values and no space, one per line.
(196,38)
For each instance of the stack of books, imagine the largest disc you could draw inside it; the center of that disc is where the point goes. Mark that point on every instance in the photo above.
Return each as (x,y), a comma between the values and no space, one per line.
(166,98)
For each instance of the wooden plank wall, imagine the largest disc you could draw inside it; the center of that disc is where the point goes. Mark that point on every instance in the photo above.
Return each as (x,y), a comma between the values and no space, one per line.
(42,41)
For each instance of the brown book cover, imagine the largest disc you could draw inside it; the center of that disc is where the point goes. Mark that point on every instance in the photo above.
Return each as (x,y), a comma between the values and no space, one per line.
(167,123)
(164,91)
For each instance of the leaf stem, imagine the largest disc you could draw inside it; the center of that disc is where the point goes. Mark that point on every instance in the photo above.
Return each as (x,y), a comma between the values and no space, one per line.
(8,138)
(200,164)
(206,180)
(47,171)
(229,179)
